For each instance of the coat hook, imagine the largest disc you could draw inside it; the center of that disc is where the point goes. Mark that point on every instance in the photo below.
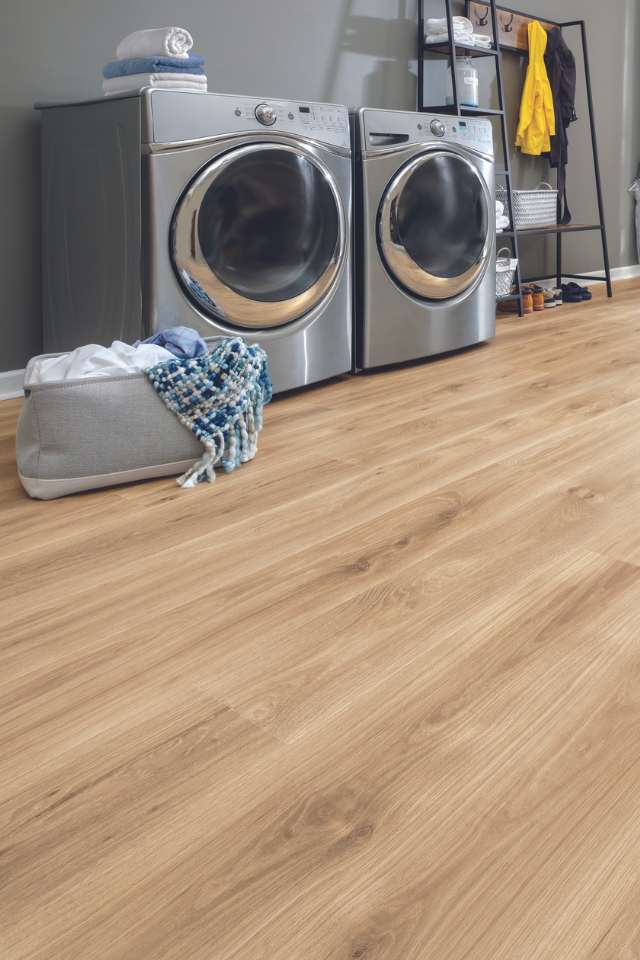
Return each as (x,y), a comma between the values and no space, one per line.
(482,19)
(507,25)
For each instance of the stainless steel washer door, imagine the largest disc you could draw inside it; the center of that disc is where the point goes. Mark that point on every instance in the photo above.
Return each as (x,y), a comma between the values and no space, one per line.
(258,237)
(434,225)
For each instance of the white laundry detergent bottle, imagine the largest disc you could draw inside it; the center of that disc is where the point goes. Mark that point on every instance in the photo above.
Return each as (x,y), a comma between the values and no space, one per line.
(467,82)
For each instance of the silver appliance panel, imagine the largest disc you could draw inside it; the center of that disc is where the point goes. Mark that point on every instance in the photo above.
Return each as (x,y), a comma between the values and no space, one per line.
(179,117)
(103,171)
(381,130)
(394,324)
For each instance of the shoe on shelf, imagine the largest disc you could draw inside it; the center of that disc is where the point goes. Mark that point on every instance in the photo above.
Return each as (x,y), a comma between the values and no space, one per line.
(557,292)
(550,299)
(527,299)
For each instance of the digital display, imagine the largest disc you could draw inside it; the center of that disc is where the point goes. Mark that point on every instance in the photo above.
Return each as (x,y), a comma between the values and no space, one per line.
(304,109)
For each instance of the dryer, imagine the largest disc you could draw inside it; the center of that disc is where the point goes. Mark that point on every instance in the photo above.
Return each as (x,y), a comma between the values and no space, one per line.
(230,214)
(424,212)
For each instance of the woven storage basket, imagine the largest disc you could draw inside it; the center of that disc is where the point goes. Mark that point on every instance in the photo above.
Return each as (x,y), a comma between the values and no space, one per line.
(532,208)
(505,271)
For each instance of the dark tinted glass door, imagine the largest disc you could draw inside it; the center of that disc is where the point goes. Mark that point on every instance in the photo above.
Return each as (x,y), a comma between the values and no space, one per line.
(434,225)
(268,235)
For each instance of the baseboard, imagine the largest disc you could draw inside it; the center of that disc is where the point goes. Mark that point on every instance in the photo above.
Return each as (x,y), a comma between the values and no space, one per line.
(618,273)
(11,382)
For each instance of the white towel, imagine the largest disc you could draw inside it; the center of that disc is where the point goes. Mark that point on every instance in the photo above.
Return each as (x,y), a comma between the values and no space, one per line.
(163,81)
(459,36)
(461,26)
(499,208)
(462,38)
(502,223)
(157,42)
(93,360)
(473,40)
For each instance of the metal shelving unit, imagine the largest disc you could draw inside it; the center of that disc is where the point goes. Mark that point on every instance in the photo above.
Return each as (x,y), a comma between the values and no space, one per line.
(450,51)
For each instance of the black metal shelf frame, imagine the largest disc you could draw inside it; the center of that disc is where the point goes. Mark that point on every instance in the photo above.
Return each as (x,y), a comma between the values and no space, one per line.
(451,50)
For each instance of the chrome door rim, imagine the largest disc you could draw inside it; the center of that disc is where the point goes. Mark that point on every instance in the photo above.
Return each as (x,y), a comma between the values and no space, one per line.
(213,296)
(399,262)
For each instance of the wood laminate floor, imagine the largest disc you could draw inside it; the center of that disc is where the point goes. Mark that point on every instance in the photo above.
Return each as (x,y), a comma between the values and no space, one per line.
(376,696)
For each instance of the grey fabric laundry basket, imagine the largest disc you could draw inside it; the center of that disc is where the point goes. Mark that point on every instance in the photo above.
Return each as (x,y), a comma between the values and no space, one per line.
(96,432)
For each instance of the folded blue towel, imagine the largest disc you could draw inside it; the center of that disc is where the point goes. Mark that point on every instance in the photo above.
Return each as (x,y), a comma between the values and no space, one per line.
(127,68)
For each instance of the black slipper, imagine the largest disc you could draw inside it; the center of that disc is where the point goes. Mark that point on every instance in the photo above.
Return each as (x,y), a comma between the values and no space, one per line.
(580,293)
(570,296)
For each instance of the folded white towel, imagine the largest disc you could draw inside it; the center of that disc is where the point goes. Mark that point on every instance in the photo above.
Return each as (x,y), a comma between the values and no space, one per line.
(461,25)
(93,360)
(157,42)
(163,81)
(444,38)
(473,40)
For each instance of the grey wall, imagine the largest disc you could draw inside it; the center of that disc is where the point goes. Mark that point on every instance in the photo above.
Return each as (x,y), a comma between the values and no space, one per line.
(349,51)
(614,36)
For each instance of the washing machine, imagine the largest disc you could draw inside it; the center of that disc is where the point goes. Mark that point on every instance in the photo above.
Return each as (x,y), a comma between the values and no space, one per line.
(424,209)
(230,214)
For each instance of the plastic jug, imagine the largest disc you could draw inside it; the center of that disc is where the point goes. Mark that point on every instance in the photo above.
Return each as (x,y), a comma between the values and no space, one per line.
(467,81)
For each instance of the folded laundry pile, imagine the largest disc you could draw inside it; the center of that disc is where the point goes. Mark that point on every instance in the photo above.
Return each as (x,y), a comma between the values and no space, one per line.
(94,360)
(436,31)
(502,220)
(155,58)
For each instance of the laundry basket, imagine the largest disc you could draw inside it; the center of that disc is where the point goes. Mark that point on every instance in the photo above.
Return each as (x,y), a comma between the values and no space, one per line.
(532,208)
(505,273)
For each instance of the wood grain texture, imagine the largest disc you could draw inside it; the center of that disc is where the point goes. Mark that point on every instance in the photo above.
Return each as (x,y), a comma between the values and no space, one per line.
(375,696)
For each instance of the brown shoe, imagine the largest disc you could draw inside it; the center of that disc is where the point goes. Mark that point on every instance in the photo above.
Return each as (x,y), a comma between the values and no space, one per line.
(527,300)
(538,298)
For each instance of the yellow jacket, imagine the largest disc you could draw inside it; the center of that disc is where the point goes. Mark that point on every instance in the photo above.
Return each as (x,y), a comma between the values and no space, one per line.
(537,119)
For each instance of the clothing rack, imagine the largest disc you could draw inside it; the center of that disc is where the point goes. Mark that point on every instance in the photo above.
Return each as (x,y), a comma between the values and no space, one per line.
(500,22)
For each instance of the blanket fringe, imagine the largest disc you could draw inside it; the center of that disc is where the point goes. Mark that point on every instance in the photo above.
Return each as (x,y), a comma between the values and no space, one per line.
(219,397)
(241,446)
(203,469)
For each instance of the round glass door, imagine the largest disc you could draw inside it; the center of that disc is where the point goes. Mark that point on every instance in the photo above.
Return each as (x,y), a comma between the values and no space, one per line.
(259,236)
(433,225)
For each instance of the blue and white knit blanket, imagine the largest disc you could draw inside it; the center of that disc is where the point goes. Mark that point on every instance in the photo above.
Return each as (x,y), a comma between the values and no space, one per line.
(219,397)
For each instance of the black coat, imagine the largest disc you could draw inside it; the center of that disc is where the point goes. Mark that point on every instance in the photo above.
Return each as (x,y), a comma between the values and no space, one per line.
(561,69)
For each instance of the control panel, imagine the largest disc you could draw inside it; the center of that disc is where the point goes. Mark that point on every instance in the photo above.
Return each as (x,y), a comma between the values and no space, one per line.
(328,123)
(386,128)
(173,116)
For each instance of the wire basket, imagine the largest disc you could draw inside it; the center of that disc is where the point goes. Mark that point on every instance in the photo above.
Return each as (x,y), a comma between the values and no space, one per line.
(532,208)
(505,273)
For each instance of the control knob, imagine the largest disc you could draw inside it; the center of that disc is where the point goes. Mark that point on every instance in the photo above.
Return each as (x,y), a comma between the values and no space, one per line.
(266,114)
(438,128)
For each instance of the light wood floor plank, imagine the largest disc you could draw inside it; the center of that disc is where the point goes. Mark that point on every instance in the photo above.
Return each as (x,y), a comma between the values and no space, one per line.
(373,696)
